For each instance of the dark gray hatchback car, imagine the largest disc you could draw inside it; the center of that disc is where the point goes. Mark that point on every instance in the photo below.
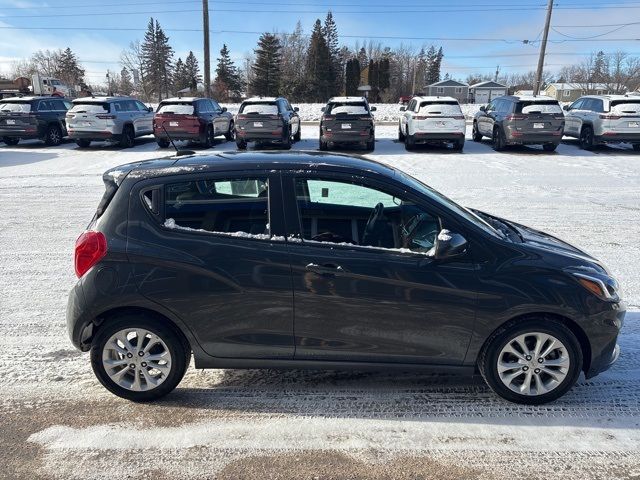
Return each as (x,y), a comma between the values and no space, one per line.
(209,254)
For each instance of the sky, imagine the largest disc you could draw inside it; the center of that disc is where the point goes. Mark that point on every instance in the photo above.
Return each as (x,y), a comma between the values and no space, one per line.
(476,36)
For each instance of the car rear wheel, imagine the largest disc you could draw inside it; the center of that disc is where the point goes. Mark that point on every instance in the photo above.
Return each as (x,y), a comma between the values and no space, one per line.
(586,138)
(409,142)
(550,147)
(231,133)
(241,144)
(53,137)
(475,133)
(324,146)
(499,142)
(400,134)
(532,362)
(139,358)
(10,140)
(371,145)
(636,147)
(286,138)
(458,145)
(298,136)
(163,142)
(209,137)
(128,138)
(82,143)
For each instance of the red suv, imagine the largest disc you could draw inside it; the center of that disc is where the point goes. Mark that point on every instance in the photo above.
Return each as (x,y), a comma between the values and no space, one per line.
(196,119)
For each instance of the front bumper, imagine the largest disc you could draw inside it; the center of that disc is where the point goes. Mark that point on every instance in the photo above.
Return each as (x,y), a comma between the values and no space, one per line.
(604,338)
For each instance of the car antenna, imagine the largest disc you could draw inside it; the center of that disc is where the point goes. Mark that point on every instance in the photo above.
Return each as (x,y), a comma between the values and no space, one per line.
(179,153)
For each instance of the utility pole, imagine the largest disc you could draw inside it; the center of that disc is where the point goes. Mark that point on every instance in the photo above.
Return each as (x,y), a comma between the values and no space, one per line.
(207,57)
(495,79)
(543,47)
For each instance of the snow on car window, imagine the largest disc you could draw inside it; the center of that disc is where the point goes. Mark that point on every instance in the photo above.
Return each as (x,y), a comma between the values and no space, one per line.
(90,107)
(177,108)
(538,107)
(626,106)
(259,108)
(347,108)
(440,108)
(15,107)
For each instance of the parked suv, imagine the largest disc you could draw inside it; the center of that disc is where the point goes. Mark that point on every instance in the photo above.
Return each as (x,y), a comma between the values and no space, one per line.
(197,119)
(209,254)
(520,120)
(267,120)
(33,117)
(117,119)
(347,121)
(600,119)
(432,120)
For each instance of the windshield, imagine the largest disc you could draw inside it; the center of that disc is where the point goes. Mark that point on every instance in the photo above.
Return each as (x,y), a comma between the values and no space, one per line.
(264,108)
(538,107)
(15,107)
(177,108)
(448,204)
(344,108)
(90,107)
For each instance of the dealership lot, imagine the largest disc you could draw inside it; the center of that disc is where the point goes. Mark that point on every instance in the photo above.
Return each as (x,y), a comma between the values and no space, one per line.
(60,423)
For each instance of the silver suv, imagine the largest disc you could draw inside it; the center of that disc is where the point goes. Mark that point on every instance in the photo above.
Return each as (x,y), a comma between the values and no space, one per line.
(117,119)
(520,120)
(599,119)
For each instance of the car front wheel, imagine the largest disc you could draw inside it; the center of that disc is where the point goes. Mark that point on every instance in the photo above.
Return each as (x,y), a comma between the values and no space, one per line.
(139,358)
(532,362)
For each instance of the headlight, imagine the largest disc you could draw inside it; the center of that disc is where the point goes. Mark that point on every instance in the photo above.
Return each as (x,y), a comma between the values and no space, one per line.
(606,291)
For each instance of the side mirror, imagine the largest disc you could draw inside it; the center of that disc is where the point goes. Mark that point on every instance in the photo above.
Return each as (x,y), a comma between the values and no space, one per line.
(150,109)
(483,108)
(296,109)
(403,109)
(224,109)
(449,245)
(323,109)
(566,108)
(373,109)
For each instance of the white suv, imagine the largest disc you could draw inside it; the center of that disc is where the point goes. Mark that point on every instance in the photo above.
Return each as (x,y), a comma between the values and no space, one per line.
(431,120)
(598,119)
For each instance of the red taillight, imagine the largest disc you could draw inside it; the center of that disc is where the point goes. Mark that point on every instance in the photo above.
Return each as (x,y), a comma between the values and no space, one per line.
(515,117)
(329,117)
(419,118)
(458,117)
(90,248)
(241,117)
(610,117)
(106,117)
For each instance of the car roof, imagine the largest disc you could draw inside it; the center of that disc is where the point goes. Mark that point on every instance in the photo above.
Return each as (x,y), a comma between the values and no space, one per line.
(527,98)
(239,161)
(434,99)
(101,99)
(611,97)
(347,99)
(29,99)
(181,99)
(261,99)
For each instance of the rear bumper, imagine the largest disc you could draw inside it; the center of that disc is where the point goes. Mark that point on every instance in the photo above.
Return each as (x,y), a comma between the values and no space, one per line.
(197,137)
(516,138)
(618,138)
(259,136)
(88,135)
(346,137)
(26,133)
(438,136)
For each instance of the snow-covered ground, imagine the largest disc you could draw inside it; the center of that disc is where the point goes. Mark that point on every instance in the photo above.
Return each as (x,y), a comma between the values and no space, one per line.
(58,422)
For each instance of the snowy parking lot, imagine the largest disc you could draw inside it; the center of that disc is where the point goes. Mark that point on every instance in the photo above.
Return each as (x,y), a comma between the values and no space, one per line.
(58,422)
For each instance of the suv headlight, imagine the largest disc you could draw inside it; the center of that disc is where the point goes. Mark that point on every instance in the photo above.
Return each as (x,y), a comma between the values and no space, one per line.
(606,290)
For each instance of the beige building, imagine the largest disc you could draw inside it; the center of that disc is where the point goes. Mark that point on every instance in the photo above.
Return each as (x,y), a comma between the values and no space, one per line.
(570,92)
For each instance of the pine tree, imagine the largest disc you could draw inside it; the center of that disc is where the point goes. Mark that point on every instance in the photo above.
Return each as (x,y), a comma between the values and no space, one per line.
(126,82)
(180,77)
(192,72)
(363,60)
(352,77)
(434,63)
(68,69)
(600,68)
(267,69)
(228,83)
(319,78)
(330,32)
(157,57)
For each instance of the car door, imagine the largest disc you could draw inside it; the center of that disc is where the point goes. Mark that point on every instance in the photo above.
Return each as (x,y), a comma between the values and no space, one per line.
(408,116)
(571,118)
(210,248)
(220,121)
(360,296)
(295,118)
(145,117)
(485,122)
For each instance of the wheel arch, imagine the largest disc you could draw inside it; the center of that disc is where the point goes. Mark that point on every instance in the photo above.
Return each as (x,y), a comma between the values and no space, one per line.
(572,325)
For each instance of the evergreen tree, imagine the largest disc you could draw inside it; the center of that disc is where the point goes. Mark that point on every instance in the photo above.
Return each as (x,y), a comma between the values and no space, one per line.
(228,83)
(157,57)
(192,72)
(600,68)
(363,60)
(352,77)
(434,63)
(68,69)
(267,68)
(330,32)
(180,77)
(319,70)
(126,82)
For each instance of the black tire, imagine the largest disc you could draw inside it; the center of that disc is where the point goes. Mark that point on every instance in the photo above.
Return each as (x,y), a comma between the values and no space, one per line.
(458,145)
(324,146)
(209,137)
(475,134)
(53,137)
(488,358)
(286,139)
(231,132)
(636,147)
(499,142)
(177,347)
(371,145)
(128,137)
(409,142)
(298,136)
(586,138)
(400,134)
(163,142)
(550,147)
(11,141)
(83,143)
(241,144)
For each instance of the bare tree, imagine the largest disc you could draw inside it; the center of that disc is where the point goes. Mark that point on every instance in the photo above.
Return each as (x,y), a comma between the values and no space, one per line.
(133,60)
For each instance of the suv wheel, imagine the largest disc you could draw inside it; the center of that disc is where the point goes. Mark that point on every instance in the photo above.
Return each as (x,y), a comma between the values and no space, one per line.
(10,140)
(550,147)
(324,145)
(209,137)
(586,138)
(400,134)
(241,144)
(499,142)
(83,143)
(138,358)
(54,136)
(636,147)
(286,138)
(409,142)
(458,145)
(231,133)
(371,145)
(163,142)
(128,138)
(475,133)
(298,136)
(532,362)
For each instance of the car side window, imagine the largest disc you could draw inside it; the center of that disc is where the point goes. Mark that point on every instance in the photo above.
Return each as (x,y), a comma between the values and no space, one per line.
(141,106)
(215,107)
(504,106)
(343,212)
(577,105)
(596,105)
(237,206)
(44,106)
(203,106)
(492,106)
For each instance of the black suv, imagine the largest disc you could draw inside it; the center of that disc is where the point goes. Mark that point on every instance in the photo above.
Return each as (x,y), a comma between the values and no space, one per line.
(33,117)
(209,254)
(347,121)
(267,121)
